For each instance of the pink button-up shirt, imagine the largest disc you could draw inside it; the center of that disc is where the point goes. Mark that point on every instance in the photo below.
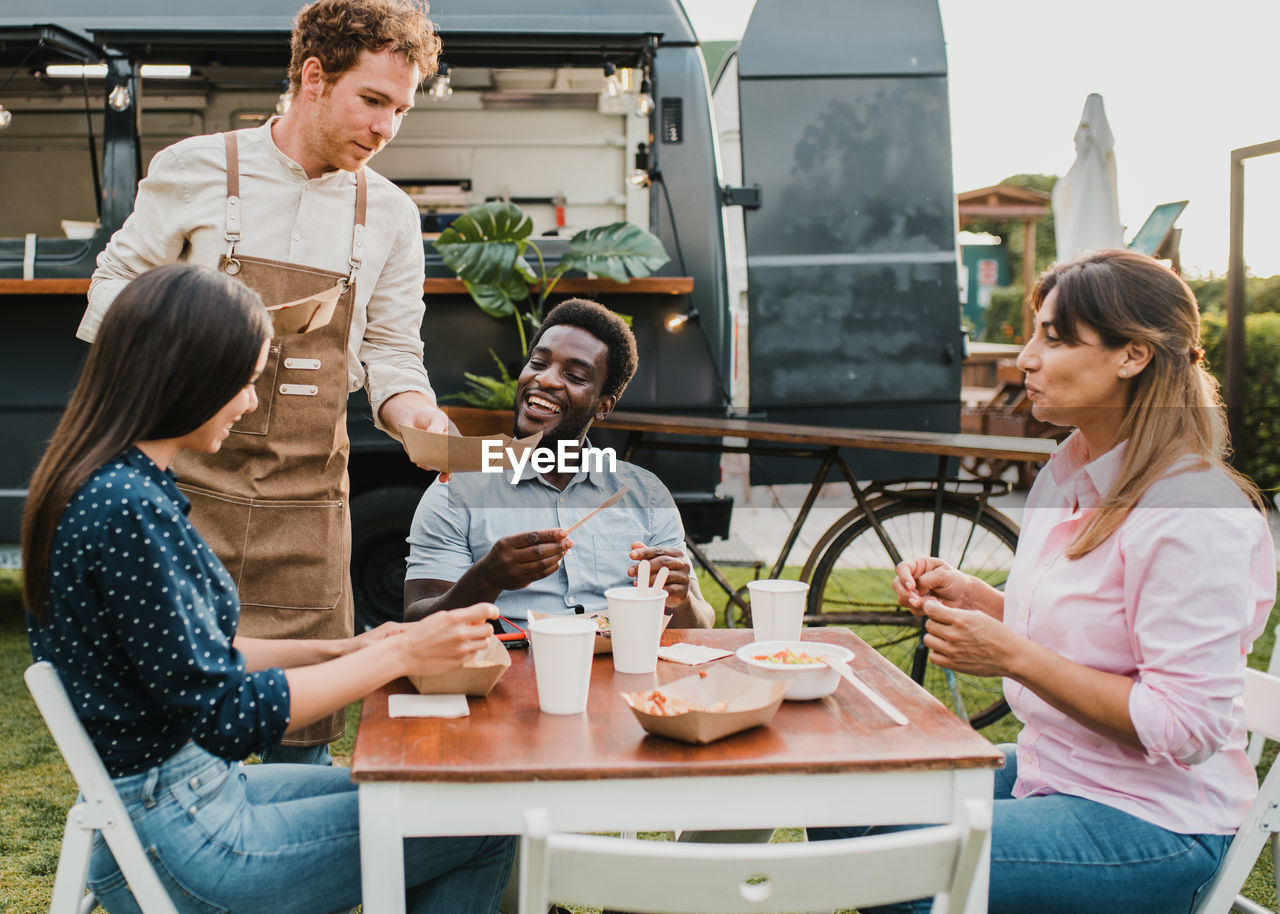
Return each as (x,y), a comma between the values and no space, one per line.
(1174,600)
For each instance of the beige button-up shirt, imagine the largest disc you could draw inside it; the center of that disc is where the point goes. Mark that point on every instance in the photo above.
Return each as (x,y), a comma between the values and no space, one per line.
(286,216)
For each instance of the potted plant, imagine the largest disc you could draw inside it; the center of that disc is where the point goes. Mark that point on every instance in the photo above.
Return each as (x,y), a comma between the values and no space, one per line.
(486,247)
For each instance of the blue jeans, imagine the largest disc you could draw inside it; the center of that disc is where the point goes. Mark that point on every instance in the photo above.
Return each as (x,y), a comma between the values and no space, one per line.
(224,837)
(1061,854)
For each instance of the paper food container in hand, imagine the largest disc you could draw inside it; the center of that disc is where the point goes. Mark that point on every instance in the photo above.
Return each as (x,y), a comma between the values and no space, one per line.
(476,677)
(603,645)
(747,702)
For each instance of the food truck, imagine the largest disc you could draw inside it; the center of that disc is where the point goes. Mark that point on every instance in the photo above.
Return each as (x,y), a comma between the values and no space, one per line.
(806,206)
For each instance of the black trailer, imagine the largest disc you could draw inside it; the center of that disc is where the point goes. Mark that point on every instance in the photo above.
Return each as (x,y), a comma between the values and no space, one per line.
(844,185)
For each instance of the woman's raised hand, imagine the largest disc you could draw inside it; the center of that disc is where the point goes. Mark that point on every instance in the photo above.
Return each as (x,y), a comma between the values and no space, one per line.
(446,639)
(919,579)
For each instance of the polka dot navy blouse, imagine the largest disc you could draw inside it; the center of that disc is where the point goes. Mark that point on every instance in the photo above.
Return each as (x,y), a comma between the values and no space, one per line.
(140,618)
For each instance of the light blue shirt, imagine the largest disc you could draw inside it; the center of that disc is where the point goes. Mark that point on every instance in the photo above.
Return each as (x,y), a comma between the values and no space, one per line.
(458,522)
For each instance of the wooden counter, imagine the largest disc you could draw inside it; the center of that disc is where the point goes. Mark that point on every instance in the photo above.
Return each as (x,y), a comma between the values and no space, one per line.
(573,285)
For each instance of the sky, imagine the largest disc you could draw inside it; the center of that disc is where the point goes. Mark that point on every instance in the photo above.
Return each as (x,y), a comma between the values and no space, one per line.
(1184,82)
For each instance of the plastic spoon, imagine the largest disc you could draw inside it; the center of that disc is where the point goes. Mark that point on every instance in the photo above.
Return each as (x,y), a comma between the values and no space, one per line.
(843,669)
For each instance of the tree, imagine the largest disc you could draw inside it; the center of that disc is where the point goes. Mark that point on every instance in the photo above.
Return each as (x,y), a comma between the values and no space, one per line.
(1004,316)
(1010,232)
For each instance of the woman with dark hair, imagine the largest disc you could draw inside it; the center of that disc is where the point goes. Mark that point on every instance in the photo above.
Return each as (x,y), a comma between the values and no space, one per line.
(139,617)
(1143,574)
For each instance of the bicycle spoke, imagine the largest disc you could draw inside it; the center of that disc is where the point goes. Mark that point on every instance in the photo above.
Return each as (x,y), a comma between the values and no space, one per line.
(852,582)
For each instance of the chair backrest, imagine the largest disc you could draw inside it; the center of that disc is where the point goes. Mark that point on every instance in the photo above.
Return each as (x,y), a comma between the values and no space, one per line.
(684,878)
(1258,739)
(1262,716)
(99,809)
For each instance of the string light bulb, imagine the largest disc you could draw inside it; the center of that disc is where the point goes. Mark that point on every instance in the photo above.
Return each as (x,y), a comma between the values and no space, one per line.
(6,117)
(677,321)
(641,177)
(440,87)
(644,104)
(612,84)
(119,98)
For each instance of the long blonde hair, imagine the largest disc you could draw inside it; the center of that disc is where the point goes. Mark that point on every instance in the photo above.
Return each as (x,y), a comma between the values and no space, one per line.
(1174,408)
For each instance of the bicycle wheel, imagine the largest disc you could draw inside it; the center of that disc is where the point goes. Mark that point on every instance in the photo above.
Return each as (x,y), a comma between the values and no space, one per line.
(851,585)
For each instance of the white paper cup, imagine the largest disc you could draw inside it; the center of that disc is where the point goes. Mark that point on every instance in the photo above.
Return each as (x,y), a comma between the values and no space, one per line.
(635,627)
(777,609)
(562,654)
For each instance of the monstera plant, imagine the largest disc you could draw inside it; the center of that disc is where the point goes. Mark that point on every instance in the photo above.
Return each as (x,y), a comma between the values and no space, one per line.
(488,246)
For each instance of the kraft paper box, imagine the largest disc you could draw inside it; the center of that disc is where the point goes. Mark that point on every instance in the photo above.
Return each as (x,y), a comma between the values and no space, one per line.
(749,702)
(461,454)
(476,677)
(603,645)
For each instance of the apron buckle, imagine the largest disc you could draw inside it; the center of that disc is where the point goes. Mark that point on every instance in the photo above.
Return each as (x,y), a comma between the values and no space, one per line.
(230,264)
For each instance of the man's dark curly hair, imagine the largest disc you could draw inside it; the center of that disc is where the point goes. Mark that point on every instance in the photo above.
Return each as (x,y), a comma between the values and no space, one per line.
(336,31)
(605,326)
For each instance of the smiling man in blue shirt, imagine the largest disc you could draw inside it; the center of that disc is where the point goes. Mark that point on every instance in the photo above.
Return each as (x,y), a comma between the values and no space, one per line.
(501,537)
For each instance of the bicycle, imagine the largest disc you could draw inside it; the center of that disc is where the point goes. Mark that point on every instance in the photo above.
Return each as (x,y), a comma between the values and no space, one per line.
(850,568)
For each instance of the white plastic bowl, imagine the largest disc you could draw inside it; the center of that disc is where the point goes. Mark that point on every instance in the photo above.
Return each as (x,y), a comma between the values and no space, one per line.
(807,680)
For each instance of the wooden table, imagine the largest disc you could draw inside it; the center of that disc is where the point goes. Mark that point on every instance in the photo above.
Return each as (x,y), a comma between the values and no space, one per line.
(834,761)
(941,444)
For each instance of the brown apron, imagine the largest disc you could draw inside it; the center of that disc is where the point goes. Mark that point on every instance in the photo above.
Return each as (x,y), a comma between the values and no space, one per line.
(273,501)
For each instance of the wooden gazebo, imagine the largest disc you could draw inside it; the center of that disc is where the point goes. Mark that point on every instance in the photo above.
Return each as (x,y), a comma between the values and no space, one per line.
(1014,204)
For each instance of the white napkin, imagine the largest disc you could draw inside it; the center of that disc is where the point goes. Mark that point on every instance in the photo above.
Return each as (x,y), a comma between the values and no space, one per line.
(405,705)
(692,654)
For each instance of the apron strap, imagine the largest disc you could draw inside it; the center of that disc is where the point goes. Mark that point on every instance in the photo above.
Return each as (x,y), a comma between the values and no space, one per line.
(231,224)
(357,235)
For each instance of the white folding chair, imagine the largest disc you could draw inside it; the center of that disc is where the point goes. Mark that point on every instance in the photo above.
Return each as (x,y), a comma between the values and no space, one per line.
(1257,740)
(1262,715)
(99,808)
(675,878)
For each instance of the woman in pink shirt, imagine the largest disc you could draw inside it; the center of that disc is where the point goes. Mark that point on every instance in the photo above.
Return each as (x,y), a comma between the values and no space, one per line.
(1143,574)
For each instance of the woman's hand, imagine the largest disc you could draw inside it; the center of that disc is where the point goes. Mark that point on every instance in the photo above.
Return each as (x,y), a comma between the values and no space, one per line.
(969,641)
(439,643)
(919,579)
(374,635)
(444,640)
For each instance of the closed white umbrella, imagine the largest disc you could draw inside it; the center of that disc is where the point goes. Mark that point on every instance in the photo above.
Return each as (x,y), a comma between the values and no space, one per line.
(1086,209)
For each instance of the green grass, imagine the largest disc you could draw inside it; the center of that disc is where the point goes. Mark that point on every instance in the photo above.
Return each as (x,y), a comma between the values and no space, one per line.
(37,790)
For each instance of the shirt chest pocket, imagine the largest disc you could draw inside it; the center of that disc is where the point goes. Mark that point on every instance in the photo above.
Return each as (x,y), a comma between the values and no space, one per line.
(613,557)
(1078,606)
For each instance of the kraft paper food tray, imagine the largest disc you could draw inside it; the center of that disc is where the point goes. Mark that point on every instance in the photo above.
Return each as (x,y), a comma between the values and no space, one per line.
(604,644)
(476,677)
(751,703)
(462,454)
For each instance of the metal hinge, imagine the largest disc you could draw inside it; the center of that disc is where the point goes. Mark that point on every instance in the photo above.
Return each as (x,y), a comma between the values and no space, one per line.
(92,816)
(747,197)
(1271,817)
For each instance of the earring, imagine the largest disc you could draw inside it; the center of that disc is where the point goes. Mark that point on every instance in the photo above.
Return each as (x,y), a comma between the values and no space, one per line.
(1123,373)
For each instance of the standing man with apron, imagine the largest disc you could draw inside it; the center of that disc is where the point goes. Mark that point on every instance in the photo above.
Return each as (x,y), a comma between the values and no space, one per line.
(335,251)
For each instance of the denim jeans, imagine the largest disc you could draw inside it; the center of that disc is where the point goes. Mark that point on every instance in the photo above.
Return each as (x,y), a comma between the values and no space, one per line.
(1060,854)
(224,837)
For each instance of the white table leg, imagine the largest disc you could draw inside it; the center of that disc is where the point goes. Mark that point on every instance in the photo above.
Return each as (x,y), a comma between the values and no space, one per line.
(381,849)
(979,784)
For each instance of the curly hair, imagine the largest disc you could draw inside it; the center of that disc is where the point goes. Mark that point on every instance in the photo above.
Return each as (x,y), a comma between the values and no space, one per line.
(336,31)
(605,326)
